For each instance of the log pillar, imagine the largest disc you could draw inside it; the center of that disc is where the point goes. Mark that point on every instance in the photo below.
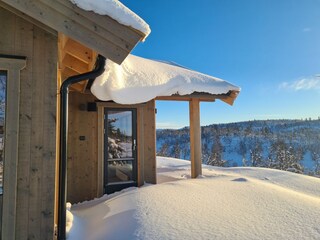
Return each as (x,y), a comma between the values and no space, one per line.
(195,138)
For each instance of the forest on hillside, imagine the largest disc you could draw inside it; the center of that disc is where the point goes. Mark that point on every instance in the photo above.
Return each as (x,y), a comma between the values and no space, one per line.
(292,145)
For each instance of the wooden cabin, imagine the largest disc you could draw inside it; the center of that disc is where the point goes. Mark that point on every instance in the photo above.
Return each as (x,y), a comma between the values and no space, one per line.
(43,42)
(110,146)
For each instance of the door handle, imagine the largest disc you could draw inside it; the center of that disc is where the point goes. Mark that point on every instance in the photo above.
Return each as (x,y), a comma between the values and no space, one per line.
(134,146)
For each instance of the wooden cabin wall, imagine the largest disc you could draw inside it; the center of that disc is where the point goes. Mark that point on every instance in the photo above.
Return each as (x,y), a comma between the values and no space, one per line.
(37,125)
(82,149)
(84,176)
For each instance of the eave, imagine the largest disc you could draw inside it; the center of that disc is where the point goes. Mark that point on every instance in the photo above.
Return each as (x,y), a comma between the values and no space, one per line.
(100,33)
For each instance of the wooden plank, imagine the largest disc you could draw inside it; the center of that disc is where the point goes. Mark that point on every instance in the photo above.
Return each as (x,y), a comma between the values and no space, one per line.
(82,153)
(187,98)
(74,64)
(149,137)
(100,145)
(36,199)
(29,19)
(79,51)
(62,19)
(47,190)
(231,97)
(7,25)
(128,35)
(195,138)
(67,72)
(24,46)
(140,147)
(37,135)
(61,52)
(57,165)
(202,97)
(77,87)
(13,66)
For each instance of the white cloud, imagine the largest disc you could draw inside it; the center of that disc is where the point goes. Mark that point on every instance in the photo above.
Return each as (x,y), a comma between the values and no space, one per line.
(168,125)
(306,29)
(307,83)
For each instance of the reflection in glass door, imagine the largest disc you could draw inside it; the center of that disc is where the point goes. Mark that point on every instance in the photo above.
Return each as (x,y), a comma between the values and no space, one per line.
(3,84)
(120,143)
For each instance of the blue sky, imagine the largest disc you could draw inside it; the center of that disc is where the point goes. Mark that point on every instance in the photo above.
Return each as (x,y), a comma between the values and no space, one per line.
(270,48)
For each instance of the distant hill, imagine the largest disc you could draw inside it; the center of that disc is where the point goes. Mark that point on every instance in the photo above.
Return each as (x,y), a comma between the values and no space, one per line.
(292,145)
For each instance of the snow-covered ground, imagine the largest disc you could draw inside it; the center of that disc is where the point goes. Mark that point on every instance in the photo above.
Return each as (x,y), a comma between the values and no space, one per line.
(224,203)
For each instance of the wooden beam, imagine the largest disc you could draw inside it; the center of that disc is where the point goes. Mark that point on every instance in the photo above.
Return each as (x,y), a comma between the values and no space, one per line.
(209,98)
(78,51)
(202,97)
(75,64)
(195,138)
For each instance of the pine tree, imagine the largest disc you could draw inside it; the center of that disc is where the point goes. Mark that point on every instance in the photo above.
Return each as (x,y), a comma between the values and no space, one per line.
(286,157)
(215,158)
(243,151)
(176,150)
(256,154)
(164,150)
(315,156)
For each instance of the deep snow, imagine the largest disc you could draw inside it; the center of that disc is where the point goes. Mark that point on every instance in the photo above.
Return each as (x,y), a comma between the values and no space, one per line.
(139,80)
(224,203)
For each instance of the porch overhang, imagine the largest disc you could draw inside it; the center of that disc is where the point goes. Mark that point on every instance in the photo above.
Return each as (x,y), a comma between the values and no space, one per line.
(194,100)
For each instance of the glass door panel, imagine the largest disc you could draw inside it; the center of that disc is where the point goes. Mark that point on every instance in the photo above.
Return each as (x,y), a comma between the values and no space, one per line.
(119,171)
(120,149)
(3,82)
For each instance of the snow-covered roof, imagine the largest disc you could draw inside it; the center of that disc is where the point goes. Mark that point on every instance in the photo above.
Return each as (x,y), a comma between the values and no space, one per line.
(117,11)
(139,80)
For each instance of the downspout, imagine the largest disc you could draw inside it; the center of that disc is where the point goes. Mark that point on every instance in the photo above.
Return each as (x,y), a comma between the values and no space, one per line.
(64,92)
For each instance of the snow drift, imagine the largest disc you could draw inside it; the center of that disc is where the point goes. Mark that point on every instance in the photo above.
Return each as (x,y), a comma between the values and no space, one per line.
(225,203)
(139,80)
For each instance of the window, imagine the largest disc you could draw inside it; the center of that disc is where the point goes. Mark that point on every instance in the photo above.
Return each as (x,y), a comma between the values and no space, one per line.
(10,67)
(3,82)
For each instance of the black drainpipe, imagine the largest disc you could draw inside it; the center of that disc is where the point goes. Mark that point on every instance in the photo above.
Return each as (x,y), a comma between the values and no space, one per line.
(64,92)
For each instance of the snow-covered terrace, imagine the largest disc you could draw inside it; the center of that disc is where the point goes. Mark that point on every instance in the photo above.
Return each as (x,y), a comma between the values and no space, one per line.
(139,80)
(224,203)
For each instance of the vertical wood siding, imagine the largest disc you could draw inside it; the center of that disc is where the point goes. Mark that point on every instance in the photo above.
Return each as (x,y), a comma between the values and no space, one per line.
(82,154)
(37,121)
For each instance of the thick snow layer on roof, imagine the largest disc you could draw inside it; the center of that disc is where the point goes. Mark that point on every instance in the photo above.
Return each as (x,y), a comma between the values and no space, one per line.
(225,203)
(139,80)
(117,11)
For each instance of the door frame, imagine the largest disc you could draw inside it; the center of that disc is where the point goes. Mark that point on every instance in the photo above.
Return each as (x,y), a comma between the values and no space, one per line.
(13,66)
(112,187)
(100,145)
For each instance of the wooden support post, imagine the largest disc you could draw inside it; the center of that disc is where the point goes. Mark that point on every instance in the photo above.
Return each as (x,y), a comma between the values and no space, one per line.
(195,138)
